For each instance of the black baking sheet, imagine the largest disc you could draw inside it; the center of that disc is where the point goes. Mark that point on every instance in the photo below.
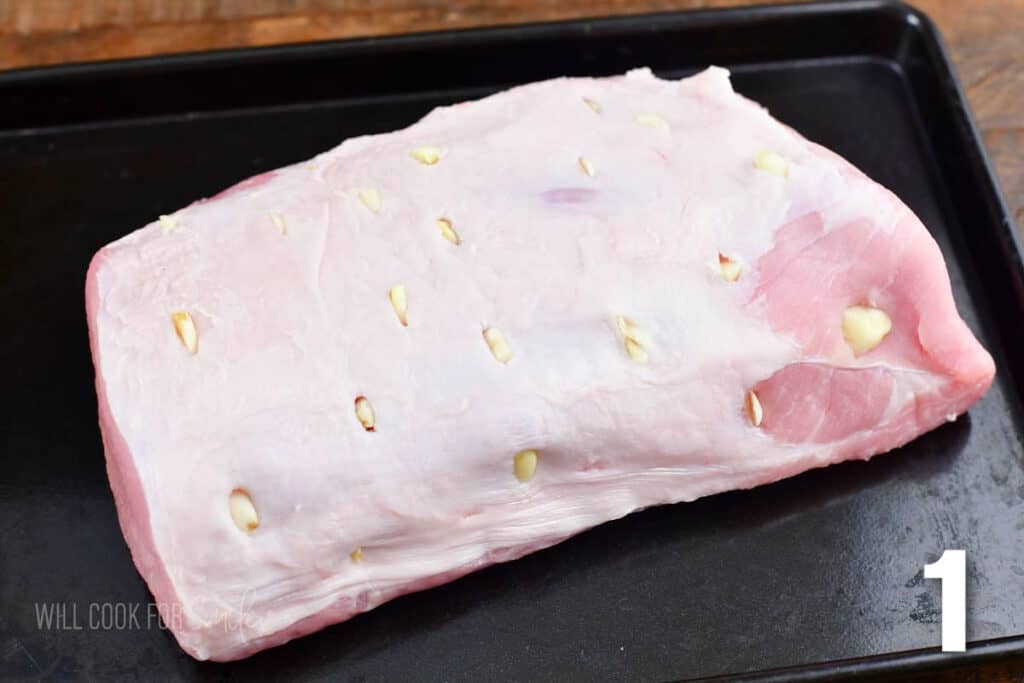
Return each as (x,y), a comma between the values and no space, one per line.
(823,571)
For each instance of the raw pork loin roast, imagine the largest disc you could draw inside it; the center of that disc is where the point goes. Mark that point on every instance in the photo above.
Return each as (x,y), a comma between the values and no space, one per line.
(425,352)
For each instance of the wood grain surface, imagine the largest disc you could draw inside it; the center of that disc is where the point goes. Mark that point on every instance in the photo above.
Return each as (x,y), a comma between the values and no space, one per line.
(986,38)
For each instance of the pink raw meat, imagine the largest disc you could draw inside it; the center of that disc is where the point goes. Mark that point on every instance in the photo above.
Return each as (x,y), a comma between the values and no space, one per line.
(588,224)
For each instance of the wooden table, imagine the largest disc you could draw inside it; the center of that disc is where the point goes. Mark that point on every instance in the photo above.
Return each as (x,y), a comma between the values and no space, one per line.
(986,38)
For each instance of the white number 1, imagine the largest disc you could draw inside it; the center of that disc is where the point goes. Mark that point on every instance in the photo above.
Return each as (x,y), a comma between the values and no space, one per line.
(951,568)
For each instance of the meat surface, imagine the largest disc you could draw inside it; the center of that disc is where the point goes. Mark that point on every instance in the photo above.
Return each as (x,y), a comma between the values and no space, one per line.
(424,352)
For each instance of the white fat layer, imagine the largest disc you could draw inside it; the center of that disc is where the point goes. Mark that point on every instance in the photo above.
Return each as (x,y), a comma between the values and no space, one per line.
(293,328)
